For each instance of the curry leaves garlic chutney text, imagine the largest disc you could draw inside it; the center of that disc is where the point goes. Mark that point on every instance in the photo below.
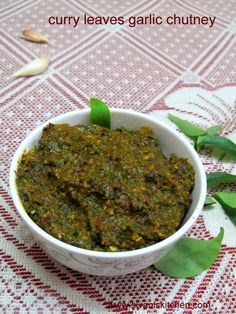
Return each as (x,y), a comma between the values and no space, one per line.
(104,190)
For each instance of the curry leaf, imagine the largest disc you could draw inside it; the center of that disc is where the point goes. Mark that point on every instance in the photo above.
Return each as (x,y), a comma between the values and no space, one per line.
(186,127)
(190,257)
(228,202)
(215,178)
(100,113)
(221,142)
(209,201)
(191,130)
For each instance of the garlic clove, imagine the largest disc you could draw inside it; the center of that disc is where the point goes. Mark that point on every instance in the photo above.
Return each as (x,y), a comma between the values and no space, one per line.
(31,35)
(37,66)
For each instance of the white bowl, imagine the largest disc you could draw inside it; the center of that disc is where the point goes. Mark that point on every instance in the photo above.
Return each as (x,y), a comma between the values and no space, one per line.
(117,263)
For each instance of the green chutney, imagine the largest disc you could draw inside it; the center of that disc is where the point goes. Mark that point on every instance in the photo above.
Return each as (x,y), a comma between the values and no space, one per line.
(104,190)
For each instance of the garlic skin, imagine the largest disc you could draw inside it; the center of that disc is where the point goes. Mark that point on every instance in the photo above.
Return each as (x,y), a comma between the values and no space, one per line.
(34,36)
(37,66)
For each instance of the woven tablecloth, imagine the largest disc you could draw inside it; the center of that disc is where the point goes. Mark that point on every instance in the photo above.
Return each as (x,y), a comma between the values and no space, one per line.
(188,70)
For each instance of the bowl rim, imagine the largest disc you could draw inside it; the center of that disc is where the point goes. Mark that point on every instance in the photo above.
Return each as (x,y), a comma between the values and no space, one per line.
(99,254)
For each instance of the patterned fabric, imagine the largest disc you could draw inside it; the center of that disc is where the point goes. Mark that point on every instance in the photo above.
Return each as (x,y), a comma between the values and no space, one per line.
(184,69)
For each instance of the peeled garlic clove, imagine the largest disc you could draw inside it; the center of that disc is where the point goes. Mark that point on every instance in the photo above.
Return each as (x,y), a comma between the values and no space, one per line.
(34,36)
(34,67)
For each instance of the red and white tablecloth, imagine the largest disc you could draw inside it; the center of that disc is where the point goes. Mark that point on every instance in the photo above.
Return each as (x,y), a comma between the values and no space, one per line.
(185,69)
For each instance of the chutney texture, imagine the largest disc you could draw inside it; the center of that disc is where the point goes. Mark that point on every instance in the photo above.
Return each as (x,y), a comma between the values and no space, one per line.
(104,190)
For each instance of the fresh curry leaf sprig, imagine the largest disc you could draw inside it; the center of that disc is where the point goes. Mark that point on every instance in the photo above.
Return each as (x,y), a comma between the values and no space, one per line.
(190,257)
(202,137)
(100,113)
(191,130)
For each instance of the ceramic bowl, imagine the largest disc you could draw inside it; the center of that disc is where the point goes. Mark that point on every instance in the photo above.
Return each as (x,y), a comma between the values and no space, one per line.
(117,263)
